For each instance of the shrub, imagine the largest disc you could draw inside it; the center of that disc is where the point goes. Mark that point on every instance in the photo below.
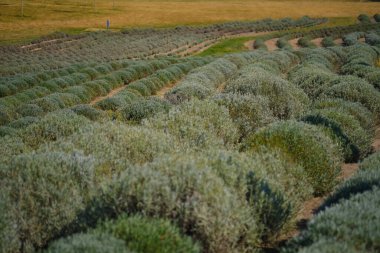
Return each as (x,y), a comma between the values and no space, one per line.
(330,246)
(142,234)
(198,124)
(52,127)
(183,189)
(11,146)
(312,80)
(116,145)
(377,17)
(305,42)
(187,91)
(328,42)
(31,110)
(112,103)
(205,193)
(4,130)
(371,163)
(248,112)
(45,193)
(203,81)
(275,196)
(361,182)
(365,117)
(285,100)
(364,18)
(320,160)
(23,122)
(260,44)
(335,132)
(141,109)
(88,243)
(6,115)
(8,232)
(372,39)
(283,43)
(374,78)
(81,92)
(56,101)
(88,112)
(353,222)
(351,128)
(355,90)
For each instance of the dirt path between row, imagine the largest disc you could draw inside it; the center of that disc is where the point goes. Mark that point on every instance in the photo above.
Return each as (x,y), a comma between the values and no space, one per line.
(338,42)
(110,94)
(161,93)
(294,43)
(271,44)
(250,45)
(317,42)
(310,206)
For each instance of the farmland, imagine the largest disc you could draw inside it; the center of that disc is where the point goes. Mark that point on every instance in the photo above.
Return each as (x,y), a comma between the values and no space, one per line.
(43,16)
(249,134)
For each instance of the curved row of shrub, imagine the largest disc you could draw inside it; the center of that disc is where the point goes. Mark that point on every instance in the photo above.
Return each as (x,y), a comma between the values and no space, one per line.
(230,170)
(150,85)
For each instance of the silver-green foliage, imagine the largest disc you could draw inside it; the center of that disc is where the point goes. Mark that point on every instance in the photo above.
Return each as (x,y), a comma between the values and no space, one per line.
(45,191)
(249,112)
(53,126)
(88,243)
(197,124)
(226,200)
(353,222)
(304,144)
(148,235)
(285,99)
(355,89)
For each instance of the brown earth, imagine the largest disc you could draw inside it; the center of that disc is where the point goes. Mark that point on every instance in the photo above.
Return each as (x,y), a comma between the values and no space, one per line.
(338,41)
(111,94)
(317,42)
(249,44)
(376,143)
(271,44)
(161,93)
(294,43)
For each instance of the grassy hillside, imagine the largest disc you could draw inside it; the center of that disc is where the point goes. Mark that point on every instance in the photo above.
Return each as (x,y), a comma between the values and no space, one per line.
(45,16)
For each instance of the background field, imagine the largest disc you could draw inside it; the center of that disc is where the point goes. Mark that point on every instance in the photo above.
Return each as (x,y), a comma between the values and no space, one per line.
(44,16)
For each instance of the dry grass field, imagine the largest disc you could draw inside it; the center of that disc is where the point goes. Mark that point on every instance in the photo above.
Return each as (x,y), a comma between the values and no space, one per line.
(46,16)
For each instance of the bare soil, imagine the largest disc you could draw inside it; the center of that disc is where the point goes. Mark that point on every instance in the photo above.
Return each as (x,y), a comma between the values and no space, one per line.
(294,43)
(376,143)
(249,44)
(317,42)
(271,44)
(111,94)
(161,93)
(338,41)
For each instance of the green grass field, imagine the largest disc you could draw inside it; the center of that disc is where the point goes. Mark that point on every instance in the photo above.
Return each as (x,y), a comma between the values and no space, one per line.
(72,16)
(235,45)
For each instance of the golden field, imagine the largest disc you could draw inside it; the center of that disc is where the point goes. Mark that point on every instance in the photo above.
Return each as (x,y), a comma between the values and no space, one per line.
(45,16)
